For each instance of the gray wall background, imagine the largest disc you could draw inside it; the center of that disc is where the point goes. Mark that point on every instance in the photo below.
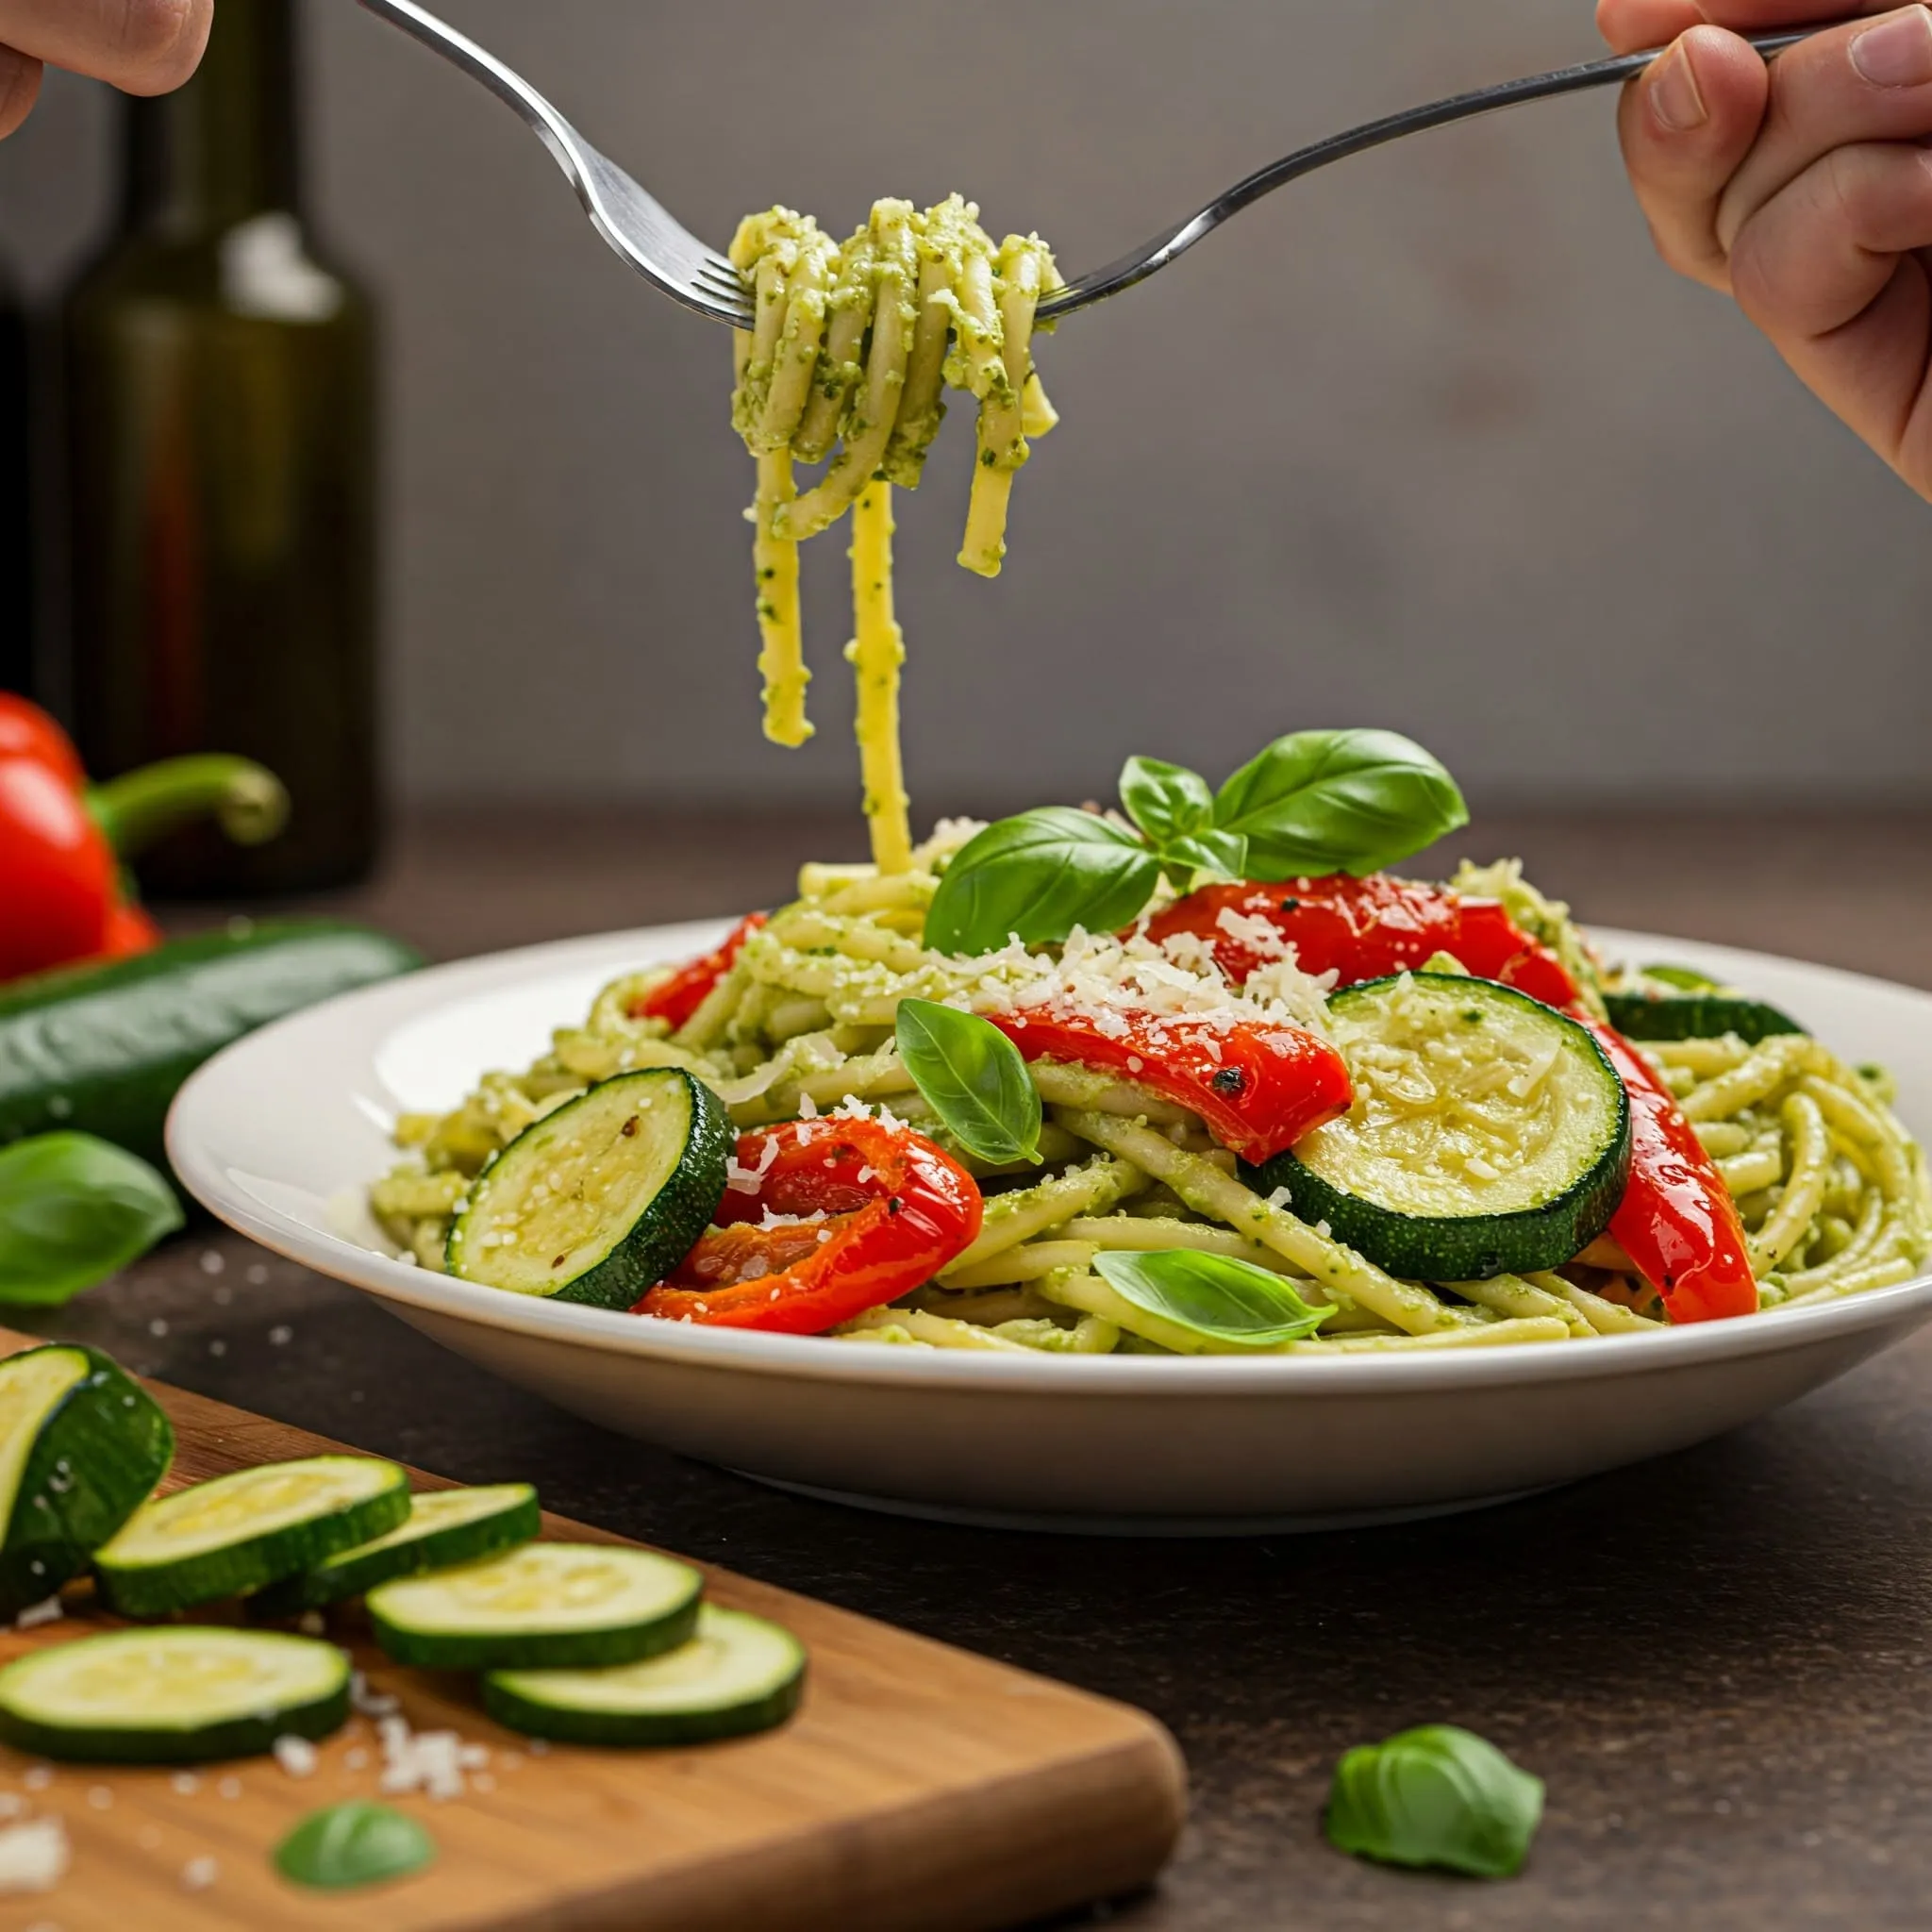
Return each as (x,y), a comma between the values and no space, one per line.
(1428,442)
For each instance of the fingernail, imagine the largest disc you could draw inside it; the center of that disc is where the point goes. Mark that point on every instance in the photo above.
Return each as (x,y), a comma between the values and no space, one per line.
(1897,52)
(1675,98)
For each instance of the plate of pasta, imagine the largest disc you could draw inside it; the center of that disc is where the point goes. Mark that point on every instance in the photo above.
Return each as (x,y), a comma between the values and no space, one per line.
(1181,1163)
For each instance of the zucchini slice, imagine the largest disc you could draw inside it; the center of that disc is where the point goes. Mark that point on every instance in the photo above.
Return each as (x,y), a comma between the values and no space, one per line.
(738,1675)
(238,1532)
(545,1607)
(173,1694)
(444,1526)
(1675,1003)
(1489,1134)
(81,1444)
(600,1200)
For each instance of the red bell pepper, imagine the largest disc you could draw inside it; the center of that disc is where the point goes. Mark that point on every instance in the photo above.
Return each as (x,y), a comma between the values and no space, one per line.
(1258,1086)
(27,732)
(61,843)
(892,1210)
(1367,928)
(674,1000)
(1677,1222)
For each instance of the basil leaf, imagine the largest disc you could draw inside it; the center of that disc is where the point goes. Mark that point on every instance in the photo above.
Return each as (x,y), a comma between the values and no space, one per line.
(975,1078)
(1338,801)
(1039,875)
(1165,801)
(1231,1302)
(73,1212)
(353,1843)
(1435,1796)
(1203,856)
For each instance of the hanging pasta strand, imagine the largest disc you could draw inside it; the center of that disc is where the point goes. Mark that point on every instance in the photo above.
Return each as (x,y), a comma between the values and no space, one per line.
(876,652)
(781,624)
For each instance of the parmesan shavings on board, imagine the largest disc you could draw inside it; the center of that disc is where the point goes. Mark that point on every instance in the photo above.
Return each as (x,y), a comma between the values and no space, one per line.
(33,1858)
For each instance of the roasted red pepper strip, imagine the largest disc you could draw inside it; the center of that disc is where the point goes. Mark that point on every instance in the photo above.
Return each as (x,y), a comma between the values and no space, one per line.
(1260,1087)
(897,1210)
(1677,1222)
(674,1000)
(1367,929)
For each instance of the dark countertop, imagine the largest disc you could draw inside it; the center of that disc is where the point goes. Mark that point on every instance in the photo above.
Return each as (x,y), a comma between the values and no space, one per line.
(1719,1662)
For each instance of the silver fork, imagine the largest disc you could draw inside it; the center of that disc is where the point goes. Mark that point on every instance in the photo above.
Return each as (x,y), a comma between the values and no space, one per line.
(670,256)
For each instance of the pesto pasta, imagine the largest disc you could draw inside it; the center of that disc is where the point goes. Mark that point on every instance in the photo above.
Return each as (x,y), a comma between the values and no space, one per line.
(855,345)
(1831,1189)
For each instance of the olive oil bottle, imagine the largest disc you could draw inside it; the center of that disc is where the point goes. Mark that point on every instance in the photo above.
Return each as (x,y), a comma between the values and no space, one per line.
(220,424)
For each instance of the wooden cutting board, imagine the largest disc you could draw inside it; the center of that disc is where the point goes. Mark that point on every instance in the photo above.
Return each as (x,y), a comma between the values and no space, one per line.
(919,1786)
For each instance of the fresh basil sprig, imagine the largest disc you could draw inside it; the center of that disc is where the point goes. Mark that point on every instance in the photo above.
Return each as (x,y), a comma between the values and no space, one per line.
(1314,802)
(975,1078)
(73,1212)
(354,1844)
(1229,1304)
(1438,1796)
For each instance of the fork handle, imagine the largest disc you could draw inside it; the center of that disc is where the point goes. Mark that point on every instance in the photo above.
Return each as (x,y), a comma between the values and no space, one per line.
(509,86)
(1610,72)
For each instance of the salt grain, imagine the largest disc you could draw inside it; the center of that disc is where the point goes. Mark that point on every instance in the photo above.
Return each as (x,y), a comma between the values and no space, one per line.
(199,1873)
(280,1335)
(212,1263)
(100,1797)
(36,1614)
(230,1788)
(158,1327)
(33,1858)
(185,1783)
(296,1755)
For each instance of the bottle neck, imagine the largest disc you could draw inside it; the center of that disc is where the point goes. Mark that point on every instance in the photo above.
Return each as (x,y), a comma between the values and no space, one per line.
(223,147)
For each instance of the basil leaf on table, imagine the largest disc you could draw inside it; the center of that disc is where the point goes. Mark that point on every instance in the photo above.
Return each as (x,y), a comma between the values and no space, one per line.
(1166,801)
(73,1212)
(353,1843)
(1319,801)
(975,1078)
(1225,1300)
(1437,1796)
(1039,875)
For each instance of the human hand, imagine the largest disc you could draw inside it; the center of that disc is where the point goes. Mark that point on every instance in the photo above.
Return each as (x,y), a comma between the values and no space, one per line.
(142,47)
(1803,188)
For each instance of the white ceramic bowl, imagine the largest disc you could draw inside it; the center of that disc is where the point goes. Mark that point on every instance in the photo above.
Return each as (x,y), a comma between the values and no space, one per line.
(279,1135)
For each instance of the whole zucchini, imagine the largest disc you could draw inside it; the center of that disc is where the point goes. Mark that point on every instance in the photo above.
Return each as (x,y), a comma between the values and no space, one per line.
(105,1048)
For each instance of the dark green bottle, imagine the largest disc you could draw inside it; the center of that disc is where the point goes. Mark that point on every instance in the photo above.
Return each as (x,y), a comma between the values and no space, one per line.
(17,609)
(221,410)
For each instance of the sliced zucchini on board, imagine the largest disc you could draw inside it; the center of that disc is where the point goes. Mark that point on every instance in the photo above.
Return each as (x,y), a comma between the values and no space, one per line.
(1489,1134)
(738,1675)
(81,1444)
(444,1526)
(600,1200)
(545,1607)
(238,1532)
(173,1694)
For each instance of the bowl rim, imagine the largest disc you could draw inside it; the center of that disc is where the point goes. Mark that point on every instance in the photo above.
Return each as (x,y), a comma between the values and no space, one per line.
(202,1103)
